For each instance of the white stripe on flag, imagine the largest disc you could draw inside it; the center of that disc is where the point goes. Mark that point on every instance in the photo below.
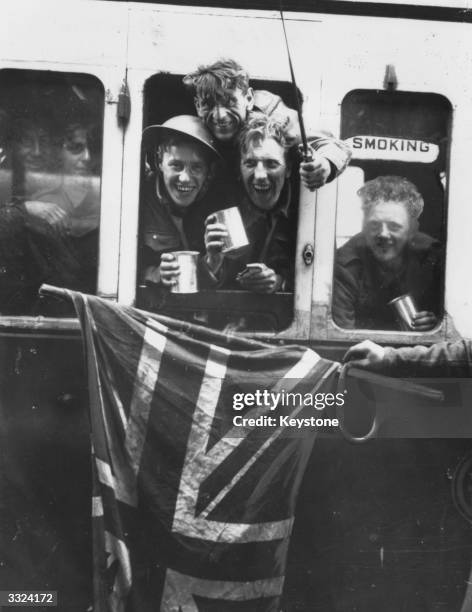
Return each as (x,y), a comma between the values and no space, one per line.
(199,464)
(118,551)
(97,506)
(179,591)
(143,391)
(121,486)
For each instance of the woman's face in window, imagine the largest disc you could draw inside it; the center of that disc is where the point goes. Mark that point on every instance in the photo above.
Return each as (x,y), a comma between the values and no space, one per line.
(184,171)
(76,153)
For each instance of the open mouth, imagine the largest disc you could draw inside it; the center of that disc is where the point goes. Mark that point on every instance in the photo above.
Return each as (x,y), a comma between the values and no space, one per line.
(261,188)
(184,188)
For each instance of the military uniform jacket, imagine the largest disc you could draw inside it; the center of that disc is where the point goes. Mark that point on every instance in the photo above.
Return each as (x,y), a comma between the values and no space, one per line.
(361,290)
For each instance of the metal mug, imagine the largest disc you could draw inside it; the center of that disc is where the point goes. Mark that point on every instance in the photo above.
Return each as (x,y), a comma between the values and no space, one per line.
(405,309)
(237,237)
(187,281)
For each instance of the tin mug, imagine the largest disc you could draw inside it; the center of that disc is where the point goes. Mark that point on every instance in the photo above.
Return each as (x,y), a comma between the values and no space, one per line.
(187,280)
(237,237)
(405,309)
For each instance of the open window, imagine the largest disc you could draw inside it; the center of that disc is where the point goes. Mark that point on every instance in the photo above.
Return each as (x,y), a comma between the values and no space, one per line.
(226,307)
(391,212)
(51,154)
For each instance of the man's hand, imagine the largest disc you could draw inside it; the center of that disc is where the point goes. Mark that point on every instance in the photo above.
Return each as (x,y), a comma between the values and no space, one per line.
(316,172)
(424,321)
(215,233)
(169,269)
(366,355)
(152,274)
(52,213)
(260,279)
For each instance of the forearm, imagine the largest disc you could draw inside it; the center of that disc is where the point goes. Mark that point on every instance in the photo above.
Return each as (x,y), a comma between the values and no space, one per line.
(451,359)
(334,150)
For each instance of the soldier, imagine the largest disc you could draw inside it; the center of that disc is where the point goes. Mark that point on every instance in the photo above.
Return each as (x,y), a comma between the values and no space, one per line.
(266,212)
(174,196)
(225,102)
(389,258)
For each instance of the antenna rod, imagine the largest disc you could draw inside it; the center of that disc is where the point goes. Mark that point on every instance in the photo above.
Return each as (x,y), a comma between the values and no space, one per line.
(306,154)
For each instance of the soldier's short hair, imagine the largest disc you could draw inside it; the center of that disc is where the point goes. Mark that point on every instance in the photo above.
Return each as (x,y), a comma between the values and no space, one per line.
(214,80)
(392,189)
(259,128)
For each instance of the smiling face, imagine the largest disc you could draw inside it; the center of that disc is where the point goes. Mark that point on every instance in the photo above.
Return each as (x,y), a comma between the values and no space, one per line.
(225,114)
(387,229)
(263,171)
(184,169)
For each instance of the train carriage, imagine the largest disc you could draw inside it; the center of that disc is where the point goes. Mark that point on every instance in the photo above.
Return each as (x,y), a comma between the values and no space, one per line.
(380,525)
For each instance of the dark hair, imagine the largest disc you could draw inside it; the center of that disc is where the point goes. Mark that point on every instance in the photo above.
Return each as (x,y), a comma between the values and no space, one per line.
(214,81)
(260,127)
(394,189)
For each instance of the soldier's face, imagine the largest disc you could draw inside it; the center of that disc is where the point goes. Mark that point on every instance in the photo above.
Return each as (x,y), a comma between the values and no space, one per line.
(184,171)
(225,114)
(387,229)
(263,171)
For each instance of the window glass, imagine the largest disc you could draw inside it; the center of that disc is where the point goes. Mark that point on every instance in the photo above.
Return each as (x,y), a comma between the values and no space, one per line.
(183,183)
(391,212)
(51,152)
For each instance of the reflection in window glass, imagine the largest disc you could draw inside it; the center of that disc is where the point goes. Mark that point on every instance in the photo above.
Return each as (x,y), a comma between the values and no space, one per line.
(390,231)
(50,131)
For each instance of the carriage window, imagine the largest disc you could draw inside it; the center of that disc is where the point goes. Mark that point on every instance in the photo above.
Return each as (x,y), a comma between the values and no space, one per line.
(193,183)
(391,212)
(50,139)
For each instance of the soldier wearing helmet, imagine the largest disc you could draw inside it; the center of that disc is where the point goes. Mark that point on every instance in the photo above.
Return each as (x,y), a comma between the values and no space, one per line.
(175,197)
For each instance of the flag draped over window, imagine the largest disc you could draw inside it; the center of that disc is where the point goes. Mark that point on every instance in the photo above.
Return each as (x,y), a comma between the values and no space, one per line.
(190,512)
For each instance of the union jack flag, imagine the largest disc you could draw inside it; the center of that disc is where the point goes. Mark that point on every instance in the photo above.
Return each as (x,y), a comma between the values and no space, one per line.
(188,515)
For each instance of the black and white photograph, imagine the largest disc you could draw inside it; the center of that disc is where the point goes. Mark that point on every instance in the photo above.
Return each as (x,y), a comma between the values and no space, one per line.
(236,306)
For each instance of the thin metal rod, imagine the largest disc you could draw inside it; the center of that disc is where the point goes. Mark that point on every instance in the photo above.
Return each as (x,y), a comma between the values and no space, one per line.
(295,89)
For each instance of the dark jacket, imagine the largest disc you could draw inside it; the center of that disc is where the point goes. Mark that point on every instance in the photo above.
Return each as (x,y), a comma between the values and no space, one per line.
(272,238)
(163,232)
(361,290)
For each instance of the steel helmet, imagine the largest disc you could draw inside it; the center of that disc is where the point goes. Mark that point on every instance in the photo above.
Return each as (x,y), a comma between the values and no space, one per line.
(188,125)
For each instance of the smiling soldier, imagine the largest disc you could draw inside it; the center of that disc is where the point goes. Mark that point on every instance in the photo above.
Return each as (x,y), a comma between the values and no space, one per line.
(389,258)
(225,102)
(266,213)
(174,195)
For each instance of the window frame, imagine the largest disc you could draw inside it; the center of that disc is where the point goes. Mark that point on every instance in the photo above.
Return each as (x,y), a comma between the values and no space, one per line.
(110,193)
(299,327)
(323,326)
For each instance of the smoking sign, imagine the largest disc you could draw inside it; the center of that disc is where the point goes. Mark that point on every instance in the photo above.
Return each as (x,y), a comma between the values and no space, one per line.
(393,149)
